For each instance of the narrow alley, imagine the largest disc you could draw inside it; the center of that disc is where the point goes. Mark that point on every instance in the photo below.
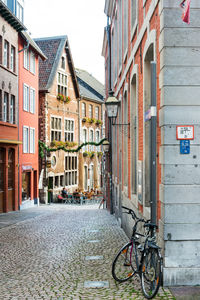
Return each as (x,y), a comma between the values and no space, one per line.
(62,252)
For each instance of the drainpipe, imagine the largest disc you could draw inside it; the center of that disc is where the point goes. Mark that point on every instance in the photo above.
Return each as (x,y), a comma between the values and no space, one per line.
(109,54)
(153,199)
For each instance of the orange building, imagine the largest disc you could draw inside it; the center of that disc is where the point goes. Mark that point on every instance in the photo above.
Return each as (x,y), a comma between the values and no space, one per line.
(9,141)
(29,54)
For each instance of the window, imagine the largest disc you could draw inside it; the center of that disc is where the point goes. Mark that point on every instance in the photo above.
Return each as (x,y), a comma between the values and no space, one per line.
(12,109)
(32,140)
(26,58)
(84,139)
(90,111)
(97,138)
(83,109)
(25,139)
(6,54)
(32,100)
(71,170)
(97,112)
(56,129)
(62,84)
(12,59)
(19,12)
(26,98)
(91,147)
(5,107)
(69,130)
(63,63)
(56,181)
(32,62)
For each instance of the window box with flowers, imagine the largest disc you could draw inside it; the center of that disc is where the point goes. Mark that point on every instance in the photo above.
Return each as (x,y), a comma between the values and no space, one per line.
(84,119)
(91,120)
(92,153)
(67,99)
(60,97)
(99,154)
(98,122)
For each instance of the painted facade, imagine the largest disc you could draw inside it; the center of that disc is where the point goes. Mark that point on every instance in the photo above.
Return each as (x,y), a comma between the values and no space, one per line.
(91,110)
(58,116)
(28,86)
(9,140)
(139,33)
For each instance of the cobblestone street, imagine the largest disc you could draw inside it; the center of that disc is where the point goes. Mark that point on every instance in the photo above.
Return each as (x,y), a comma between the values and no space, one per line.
(58,251)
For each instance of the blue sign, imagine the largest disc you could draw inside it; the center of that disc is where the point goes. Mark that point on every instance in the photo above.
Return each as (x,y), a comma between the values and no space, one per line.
(184,146)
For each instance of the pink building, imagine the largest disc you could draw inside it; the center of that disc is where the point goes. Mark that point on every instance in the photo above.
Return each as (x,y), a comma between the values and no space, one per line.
(29,54)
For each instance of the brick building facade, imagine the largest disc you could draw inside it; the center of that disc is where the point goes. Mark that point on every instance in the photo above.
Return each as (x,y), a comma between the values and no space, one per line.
(139,33)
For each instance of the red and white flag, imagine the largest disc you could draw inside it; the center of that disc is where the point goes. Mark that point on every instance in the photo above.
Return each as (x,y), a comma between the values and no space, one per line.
(185,5)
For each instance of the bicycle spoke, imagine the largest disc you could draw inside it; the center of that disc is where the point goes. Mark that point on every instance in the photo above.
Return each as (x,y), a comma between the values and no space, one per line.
(124,265)
(151,273)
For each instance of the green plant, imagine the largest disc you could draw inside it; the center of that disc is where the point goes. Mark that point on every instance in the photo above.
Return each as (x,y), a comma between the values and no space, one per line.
(60,97)
(84,119)
(91,120)
(67,99)
(99,122)
(99,154)
(85,153)
(92,153)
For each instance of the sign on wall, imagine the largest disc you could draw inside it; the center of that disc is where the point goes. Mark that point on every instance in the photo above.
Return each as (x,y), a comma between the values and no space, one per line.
(185,132)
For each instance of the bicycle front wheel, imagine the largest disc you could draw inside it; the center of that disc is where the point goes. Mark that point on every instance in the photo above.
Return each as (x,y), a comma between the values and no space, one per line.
(151,273)
(124,264)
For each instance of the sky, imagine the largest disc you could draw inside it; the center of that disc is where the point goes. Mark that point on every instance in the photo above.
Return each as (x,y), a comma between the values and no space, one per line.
(83,21)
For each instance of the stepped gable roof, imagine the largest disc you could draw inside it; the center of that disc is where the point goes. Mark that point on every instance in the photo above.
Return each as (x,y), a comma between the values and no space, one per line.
(53,48)
(10,18)
(90,88)
(31,42)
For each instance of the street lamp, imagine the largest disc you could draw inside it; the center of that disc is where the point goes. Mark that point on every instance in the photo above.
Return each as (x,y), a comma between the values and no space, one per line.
(106,146)
(112,104)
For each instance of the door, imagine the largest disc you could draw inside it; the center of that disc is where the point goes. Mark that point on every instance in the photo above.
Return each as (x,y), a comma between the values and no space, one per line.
(11,178)
(2,158)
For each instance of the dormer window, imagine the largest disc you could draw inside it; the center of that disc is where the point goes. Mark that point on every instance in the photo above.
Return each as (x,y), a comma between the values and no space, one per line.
(63,63)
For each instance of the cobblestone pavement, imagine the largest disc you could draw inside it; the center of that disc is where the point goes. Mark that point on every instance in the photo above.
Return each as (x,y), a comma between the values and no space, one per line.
(53,256)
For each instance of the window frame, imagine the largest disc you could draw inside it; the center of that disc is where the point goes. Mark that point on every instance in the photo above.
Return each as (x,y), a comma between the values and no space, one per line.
(57,131)
(69,131)
(5,107)
(32,140)
(12,109)
(6,54)
(25,149)
(83,109)
(62,87)
(32,62)
(97,112)
(26,58)
(32,100)
(12,58)
(26,104)
(90,111)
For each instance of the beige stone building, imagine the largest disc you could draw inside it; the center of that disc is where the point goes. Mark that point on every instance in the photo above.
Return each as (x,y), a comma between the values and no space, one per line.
(58,116)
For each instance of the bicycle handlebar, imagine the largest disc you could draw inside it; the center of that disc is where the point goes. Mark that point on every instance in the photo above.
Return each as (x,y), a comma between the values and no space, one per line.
(133,215)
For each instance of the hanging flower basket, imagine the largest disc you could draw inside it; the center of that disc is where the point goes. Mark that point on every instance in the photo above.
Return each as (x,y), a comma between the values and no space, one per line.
(84,119)
(67,99)
(60,97)
(85,154)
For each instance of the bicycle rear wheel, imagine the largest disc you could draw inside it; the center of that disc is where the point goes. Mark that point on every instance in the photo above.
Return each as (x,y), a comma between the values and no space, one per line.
(151,273)
(124,264)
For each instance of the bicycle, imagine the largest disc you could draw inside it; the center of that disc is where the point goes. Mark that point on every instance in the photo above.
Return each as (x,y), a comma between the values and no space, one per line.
(136,258)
